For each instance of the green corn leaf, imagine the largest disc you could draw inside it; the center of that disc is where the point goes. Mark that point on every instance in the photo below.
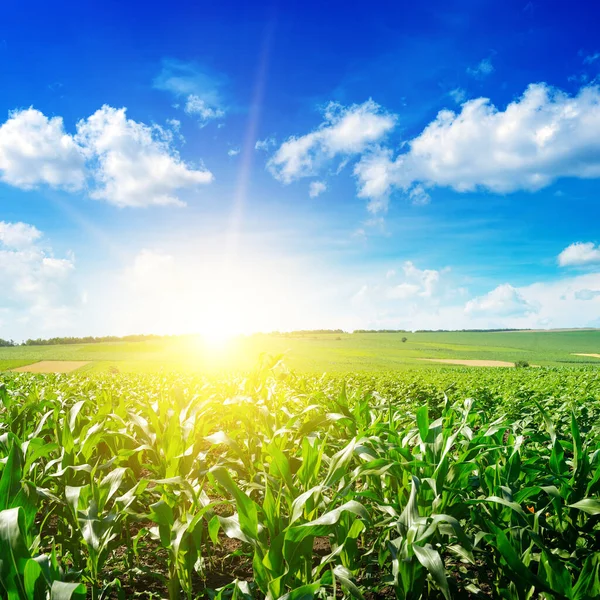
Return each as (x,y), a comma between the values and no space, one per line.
(111,483)
(513,505)
(423,422)
(162,514)
(548,422)
(280,467)
(247,510)
(62,590)
(213,529)
(432,561)
(14,553)
(304,592)
(10,482)
(344,576)
(588,583)
(338,467)
(555,573)
(33,580)
(410,514)
(321,526)
(591,506)
(516,564)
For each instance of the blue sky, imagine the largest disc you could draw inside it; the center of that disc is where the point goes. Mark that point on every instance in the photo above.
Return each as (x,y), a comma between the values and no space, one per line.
(241,167)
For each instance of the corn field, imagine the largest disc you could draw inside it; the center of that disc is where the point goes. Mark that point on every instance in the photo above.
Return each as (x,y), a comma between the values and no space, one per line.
(456,483)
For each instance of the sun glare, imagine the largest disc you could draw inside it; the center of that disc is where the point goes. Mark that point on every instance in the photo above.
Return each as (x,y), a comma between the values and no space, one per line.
(217,338)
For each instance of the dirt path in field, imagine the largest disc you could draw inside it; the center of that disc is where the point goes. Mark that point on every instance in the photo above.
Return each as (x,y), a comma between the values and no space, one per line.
(52,366)
(582,354)
(470,363)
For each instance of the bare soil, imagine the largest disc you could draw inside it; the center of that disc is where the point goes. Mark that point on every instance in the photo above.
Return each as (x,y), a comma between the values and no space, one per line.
(471,363)
(583,354)
(52,366)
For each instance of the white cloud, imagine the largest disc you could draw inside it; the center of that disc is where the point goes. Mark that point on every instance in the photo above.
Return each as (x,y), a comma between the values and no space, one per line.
(503,301)
(483,69)
(196,106)
(233,152)
(411,283)
(134,164)
(265,144)
(586,294)
(541,137)
(419,196)
(119,160)
(345,131)
(408,297)
(591,58)
(316,188)
(199,90)
(458,95)
(579,254)
(426,279)
(402,291)
(174,124)
(36,286)
(416,298)
(18,235)
(36,150)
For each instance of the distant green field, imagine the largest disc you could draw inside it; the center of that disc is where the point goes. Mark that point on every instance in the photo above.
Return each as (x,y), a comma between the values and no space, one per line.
(335,353)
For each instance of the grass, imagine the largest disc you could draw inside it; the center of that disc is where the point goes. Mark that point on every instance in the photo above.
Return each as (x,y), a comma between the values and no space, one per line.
(334,353)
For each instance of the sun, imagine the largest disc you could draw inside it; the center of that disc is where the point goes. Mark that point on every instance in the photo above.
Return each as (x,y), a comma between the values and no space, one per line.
(217,337)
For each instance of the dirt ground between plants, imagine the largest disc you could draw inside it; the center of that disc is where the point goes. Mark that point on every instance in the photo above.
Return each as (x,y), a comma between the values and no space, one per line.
(470,363)
(52,366)
(582,354)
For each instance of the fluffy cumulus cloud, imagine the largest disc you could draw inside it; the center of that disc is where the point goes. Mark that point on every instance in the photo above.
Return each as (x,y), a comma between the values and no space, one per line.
(197,90)
(503,301)
(35,149)
(425,282)
(199,107)
(119,160)
(316,188)
(36,285)
(409,297)
(134,164)
(345,131)
(408,284)
(540,137)
(18,235)
(413,298)
(579,254)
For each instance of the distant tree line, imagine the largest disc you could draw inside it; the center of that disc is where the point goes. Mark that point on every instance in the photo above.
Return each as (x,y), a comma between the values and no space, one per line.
(470,330)
(89,340)
(380,331)
(55,341)
(307,332)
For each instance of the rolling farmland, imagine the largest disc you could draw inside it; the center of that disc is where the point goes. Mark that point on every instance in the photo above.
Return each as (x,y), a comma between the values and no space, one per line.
(318,352)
